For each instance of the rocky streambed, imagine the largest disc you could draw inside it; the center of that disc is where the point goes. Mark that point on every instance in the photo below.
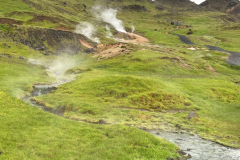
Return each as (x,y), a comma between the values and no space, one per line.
(197,148)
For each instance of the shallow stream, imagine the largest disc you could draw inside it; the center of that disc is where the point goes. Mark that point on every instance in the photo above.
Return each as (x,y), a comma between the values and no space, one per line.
(198,148)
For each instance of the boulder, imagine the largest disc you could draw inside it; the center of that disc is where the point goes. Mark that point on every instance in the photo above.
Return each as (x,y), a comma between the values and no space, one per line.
(191,115)
(101,121)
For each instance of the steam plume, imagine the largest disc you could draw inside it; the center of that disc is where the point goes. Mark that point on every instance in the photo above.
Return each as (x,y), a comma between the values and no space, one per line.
(88,30)
(110,16)
(133,29)
(109,34)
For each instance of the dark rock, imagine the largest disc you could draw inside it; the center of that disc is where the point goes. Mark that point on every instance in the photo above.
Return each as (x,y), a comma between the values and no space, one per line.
(182,153)
(158,133)
(144,128)
(47,53)
(191,115)
(21,57)
(41,48)
(11,57)
(89,50)
(135,8)
(9,46)
(190,32)
(101,121)
(1,152)
(3,54)
(189,156)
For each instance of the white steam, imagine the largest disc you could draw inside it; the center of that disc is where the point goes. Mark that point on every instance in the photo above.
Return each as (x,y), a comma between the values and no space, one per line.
(110,16)
(133,29)
(88,30)
(108,32)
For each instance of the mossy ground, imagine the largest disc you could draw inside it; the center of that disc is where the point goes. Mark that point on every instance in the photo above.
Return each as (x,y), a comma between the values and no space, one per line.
(152,87)
(28,132)
(143,89)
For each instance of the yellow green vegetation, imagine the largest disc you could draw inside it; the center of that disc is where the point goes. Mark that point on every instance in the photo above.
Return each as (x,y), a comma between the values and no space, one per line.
(152,86)
(27,131)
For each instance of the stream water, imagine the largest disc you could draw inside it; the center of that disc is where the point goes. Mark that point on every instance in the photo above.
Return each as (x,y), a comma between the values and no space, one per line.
(198,148)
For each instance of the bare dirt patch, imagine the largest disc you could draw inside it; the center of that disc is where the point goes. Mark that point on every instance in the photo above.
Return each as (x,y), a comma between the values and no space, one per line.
(112,51)
(132,38)
(84,43)
(210,68)
(62,28)
(10,21)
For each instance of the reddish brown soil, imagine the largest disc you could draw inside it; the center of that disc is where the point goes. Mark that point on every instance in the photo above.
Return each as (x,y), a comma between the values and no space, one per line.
(10,21)
(112,51)
(44,18)
(62,28)
(84,43)
(211,69)
(132,38)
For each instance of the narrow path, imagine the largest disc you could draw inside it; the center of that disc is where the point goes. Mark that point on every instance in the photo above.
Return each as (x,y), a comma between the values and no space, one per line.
(234,58)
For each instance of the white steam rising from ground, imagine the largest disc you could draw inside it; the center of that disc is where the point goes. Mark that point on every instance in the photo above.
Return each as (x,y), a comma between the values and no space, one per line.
(133,29)
(56,68)
(88,30)
(109,15)
(108,32)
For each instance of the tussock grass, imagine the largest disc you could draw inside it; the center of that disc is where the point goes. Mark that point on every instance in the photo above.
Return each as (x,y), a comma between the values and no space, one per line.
(28,131)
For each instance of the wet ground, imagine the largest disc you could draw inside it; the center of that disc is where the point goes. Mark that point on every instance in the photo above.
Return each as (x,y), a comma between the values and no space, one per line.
(198,148)
(234,58)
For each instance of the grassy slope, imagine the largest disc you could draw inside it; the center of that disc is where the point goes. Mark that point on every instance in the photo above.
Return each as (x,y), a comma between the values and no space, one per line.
(27,132)
(143,80)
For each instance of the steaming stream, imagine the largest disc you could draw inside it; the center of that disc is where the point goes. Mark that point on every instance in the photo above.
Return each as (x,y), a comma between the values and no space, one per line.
(41,89)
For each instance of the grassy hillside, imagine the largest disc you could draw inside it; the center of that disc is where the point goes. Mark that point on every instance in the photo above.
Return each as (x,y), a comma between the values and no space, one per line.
(29,132)
(151,86)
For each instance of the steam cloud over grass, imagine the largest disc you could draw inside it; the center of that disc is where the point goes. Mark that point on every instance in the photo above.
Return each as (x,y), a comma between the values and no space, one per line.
(109,15)
(133,29)
(108,32)
(88,30)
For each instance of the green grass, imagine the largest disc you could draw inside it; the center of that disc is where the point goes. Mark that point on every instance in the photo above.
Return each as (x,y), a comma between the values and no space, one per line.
(118,88)
(28,132)
(152,87)
(45,24)
(12,5)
